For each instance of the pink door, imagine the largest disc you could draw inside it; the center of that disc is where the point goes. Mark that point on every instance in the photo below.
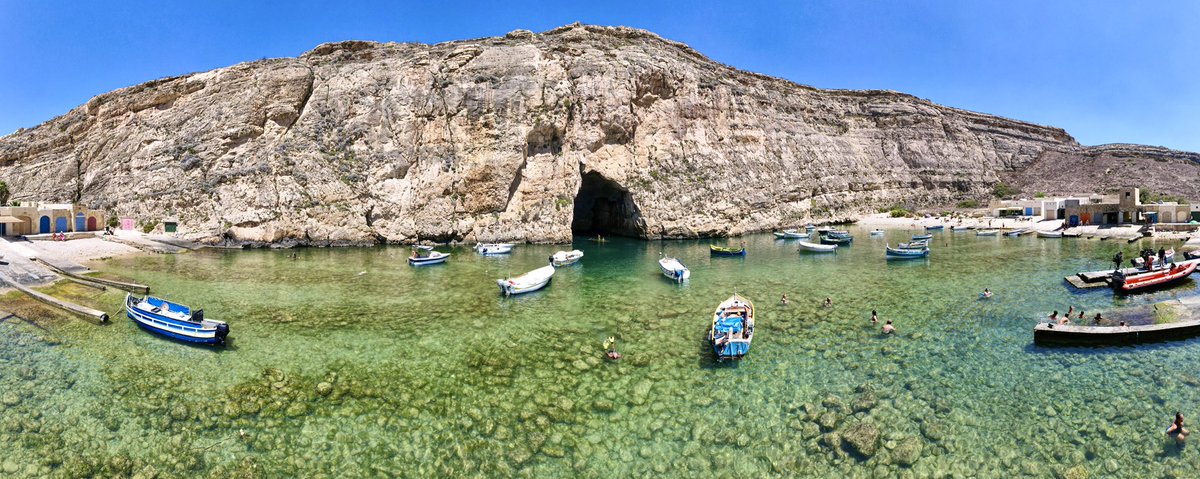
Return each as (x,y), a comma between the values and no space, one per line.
(127,224)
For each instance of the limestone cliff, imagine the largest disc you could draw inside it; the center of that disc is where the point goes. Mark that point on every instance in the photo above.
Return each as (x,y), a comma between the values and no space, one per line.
(524,137)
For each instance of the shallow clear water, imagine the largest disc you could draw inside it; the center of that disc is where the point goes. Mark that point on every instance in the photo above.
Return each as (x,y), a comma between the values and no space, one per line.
(348,362)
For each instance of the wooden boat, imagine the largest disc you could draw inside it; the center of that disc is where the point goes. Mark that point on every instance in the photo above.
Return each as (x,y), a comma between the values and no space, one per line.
(174,320)
(1049,234)
(528,282)
(987,232)
(674,269)
(1125,283)
(837,233)
(836,240)
(421,257)
(1169,254)
(732,328)
(921,237)
(906,253)
(564,258)
(724,251)
(935,228)
(876,232)
(489,249)
(960,228)
(914,245)
(1017,232)
(790,234)
(817,248)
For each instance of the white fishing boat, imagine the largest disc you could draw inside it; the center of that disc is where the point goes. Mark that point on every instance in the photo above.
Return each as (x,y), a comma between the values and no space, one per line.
(960,228)
(421,257)
(876,232)
(528,282)
(817,248)
(488,249)
(674,269)
(790,234)
(987,232)
(564,258)
(1049,234)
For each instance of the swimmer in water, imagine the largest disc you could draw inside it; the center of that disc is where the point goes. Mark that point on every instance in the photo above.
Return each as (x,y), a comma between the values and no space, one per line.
(986,293)
(1176,430)
(874,317)
(888,328)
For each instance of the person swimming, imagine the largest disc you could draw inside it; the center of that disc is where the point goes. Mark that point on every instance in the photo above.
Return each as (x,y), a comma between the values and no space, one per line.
(986,293)
(1053,316)
(828,302)
(888,328)
(1176,429)
(874,317)
(784,299)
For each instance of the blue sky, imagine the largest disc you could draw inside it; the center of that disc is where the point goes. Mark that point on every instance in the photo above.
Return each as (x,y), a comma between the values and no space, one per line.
(1106,71)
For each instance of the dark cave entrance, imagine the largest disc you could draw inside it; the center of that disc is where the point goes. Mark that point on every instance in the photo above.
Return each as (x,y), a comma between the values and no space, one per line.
(602,207)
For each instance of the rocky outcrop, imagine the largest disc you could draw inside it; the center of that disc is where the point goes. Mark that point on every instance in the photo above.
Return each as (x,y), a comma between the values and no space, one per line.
(522,137)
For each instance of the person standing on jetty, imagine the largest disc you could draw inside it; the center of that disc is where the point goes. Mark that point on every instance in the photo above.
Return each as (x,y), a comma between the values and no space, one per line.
(1118,259)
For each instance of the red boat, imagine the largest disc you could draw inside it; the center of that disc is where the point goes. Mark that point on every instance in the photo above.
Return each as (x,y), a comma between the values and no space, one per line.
(1133,282)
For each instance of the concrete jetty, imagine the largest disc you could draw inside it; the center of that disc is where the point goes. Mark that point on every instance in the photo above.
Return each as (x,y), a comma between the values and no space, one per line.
(1100,279)
(101,282)
(58,303)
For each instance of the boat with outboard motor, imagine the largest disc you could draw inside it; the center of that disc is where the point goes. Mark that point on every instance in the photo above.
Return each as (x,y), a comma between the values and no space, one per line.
(564,258)
(817,248)
(935,228)
(732,328)
(674,269)
(921,237)
(175,320)
(1049,234)
(790,234)
(876,232)
(1154,263)
(528,282)
(837,240)
(987,232)
(1126,283)
(489,249)
(421,256)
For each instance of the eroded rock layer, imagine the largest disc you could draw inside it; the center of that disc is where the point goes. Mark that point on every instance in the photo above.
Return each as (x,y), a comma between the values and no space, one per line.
(527,137)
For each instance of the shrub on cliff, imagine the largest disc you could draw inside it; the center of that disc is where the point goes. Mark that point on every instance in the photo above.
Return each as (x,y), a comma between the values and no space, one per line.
(899,212)
(3,193)
(1002,190)
(967,204)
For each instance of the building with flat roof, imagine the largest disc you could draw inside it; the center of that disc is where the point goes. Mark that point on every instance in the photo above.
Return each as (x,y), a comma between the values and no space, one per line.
(47,218)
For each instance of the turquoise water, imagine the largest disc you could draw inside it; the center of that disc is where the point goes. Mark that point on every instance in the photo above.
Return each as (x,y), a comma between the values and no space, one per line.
(348,362)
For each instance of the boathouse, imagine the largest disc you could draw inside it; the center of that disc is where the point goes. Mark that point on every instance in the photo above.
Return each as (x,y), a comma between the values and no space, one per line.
(45,218)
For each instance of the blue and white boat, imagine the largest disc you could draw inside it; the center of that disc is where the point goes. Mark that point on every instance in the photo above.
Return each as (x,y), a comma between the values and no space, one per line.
(175,320)
(914,245)
(791,234)
(921,237)
(935,228)
(732,328)
(422,257)
(906,253)
(674,269)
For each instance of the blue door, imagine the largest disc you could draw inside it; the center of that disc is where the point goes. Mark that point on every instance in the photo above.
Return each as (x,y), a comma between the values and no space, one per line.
(1074,220)
(80,222)
(44,225)
(3,229)
(60,225)
(1028,211)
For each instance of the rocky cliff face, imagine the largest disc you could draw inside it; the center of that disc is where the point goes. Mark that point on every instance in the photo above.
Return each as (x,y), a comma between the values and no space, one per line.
(525,137)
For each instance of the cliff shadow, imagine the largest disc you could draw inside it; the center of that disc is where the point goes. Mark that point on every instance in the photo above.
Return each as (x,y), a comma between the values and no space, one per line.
(603,207)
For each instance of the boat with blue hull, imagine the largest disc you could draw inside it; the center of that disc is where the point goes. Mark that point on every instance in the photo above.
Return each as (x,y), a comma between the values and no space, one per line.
(935,228)
(421,257)
(921,237)
(906,253)
(732,328)
(175,320)
(837,240)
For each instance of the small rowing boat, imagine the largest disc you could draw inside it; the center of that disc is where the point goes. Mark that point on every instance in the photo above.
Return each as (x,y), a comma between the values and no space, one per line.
(817,248)
(876,232)
(174,320)
(987,232)
(724,251)
(935,228)
(674,269)
(921,237)
(1049,234)
(422,257)
(564,258)
(528,282)
(732,328)
(1125,283)
(914,245)
(907,253)
(837,240)
(960,228)
(489,249)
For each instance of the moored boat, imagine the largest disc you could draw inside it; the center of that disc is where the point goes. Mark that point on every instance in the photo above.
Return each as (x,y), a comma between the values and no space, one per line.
(914,244)
(907,253)
(674,269)
(1154,263)
(175,320)
(876,232)
(921,237)
(817,248)
(732,328)
(987,232)
(935,228)
(1125,283)
(528,282)
(488,249)
(422,257)
(1016,232)
(564,258)
(790,234)
(1049,234)
(725,251)
(836,240)
(960,228)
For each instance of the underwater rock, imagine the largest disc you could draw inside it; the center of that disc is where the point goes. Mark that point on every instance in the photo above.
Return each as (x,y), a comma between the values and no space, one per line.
(862,438)
(324,388)
(907,451)
(602,405)
(934,430)
(10,399)
(1075,472)
(833,403)
(828,421)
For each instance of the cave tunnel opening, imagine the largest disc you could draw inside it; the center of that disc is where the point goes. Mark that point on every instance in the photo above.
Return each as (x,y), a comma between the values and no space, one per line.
(603,207)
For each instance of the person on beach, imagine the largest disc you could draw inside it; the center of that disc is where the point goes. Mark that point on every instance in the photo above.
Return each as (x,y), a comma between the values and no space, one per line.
(888,328)
(1176,430)
(828,302)
(783,300)
(874,317)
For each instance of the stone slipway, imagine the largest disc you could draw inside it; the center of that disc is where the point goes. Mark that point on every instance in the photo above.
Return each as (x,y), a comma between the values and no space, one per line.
(1188,326)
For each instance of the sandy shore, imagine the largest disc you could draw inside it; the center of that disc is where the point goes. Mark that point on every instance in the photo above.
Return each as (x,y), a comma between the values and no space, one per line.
(885,221)
(80,250)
